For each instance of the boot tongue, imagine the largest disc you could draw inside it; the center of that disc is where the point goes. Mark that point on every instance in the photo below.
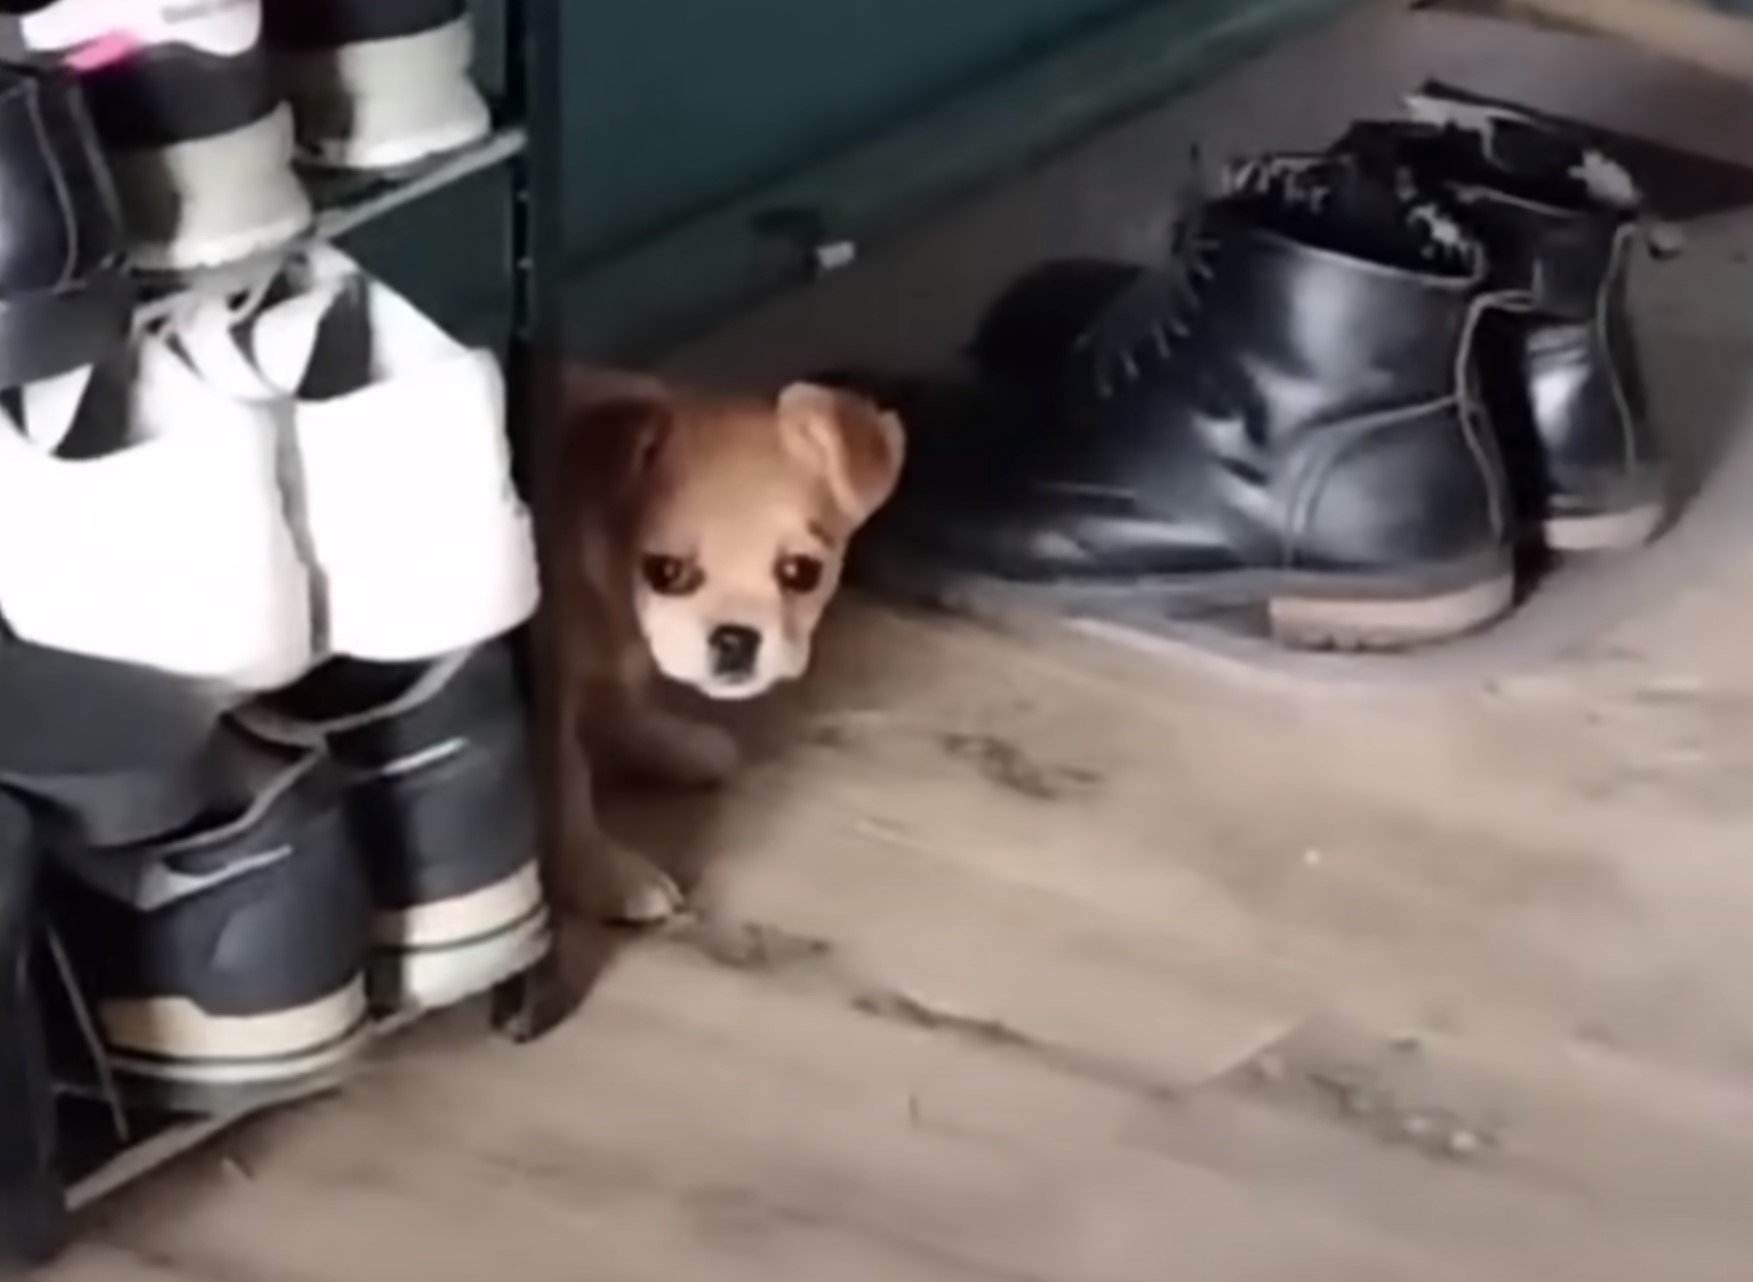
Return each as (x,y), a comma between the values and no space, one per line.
(1360,204)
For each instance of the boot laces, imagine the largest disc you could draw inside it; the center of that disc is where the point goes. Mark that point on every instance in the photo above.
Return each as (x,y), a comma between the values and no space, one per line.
(1141,331)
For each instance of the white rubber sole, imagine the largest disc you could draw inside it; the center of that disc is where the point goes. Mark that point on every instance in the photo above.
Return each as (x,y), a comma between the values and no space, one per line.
(184,1056)
(1388,624)
(386,104)
(387,155)
(212,202)
(1613,532)
(444,953)
(1302,609)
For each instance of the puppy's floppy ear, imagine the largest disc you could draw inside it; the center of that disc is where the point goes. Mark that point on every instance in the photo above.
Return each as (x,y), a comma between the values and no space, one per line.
(857,448)
(615,426)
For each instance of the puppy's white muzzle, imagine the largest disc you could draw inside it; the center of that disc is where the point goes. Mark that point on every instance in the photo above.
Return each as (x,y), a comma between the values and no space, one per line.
(729,663)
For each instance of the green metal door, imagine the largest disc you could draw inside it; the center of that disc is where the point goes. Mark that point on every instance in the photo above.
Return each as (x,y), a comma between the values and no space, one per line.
(678,107)
(680,104)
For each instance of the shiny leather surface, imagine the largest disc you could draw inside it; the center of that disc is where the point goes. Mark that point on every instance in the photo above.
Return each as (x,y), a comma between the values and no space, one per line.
(59,219)
(1263,405)
(1577,363)
(1565,383)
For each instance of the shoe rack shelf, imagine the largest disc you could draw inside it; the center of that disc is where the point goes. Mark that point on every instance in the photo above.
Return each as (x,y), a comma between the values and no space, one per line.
(344,203)
(96,1163)
(101,1157)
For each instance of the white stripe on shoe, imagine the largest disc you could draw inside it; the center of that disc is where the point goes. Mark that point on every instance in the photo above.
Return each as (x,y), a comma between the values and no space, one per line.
(438,954)
(214,200)
(179,1036)
(384,104)
(448,922)
(437,977)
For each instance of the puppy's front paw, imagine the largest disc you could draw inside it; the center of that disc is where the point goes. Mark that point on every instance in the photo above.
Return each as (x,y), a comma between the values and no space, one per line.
(674,750)
(645,894)
(603,882)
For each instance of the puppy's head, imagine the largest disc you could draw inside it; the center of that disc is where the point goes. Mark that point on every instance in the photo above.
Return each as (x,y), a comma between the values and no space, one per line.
(742,511)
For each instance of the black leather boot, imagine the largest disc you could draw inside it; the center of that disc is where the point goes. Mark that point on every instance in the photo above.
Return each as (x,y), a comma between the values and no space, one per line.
(1279,419)
(1559,221)
(32,1204)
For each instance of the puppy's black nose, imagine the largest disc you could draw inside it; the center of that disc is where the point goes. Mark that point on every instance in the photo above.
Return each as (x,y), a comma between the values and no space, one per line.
(733,648)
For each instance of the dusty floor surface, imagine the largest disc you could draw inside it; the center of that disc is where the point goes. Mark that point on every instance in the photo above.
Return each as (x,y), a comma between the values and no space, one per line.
(1031,958)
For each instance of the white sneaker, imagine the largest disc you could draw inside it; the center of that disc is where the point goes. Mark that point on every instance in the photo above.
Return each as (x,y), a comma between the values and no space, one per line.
(142,521)
(198,137)
(402,480)
(377,84)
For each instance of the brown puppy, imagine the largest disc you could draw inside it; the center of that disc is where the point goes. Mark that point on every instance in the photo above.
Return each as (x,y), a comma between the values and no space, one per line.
(699,538)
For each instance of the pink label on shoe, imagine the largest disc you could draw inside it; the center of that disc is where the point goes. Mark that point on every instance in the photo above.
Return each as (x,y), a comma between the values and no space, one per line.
(105,51)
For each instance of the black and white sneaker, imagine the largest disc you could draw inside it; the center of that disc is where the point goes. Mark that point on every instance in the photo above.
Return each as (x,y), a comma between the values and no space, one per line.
(65,298)
(32,1205)
(199,138)
(225,961)
(412,562)
(107,754)
(439,795)
(377,84)
(143,521)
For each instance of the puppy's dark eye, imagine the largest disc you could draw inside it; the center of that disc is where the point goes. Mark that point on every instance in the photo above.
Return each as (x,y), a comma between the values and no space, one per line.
(799,574)
(671,575)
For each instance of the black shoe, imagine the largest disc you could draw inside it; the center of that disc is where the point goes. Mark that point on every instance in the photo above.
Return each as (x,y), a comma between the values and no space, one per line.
(440,798)
(1277,420)
(377,84)
(1559,220)
(107,753)
(225,961)
(198,136)
(65,298)
(32,1203)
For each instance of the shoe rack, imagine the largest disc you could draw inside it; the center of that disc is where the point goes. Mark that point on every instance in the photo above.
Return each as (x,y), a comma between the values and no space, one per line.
(106,1148)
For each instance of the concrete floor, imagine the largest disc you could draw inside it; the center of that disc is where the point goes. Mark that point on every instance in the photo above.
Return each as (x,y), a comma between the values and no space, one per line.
(1030,957)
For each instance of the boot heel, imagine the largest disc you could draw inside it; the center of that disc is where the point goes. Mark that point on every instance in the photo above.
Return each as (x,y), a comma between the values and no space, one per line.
(1389,622)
